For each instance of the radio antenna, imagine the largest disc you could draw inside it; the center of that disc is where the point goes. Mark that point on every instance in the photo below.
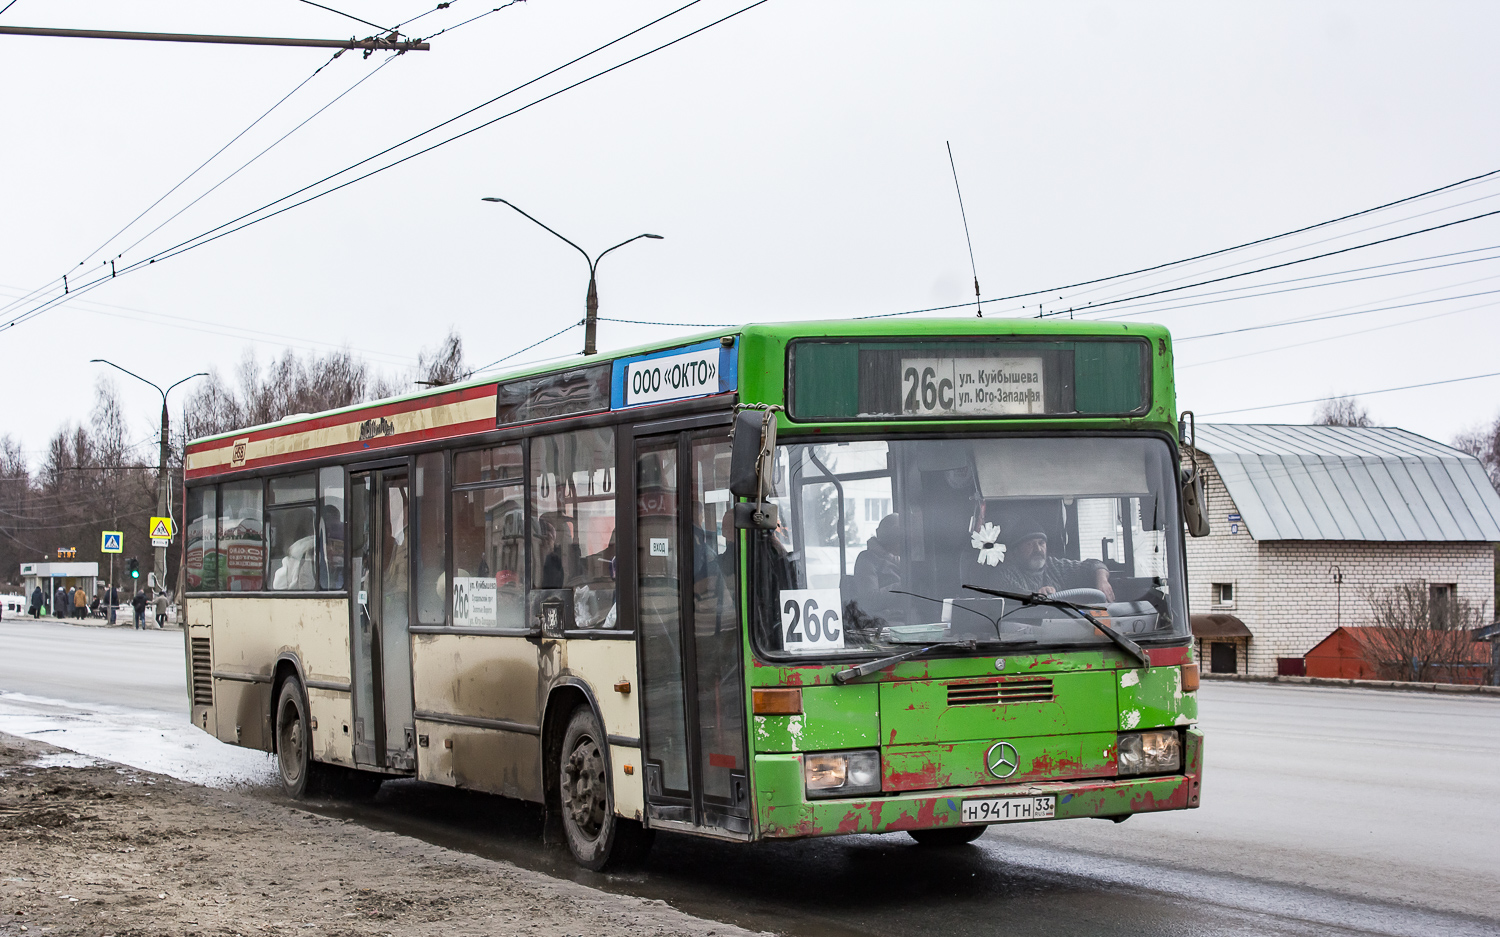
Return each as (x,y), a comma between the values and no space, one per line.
(978,311)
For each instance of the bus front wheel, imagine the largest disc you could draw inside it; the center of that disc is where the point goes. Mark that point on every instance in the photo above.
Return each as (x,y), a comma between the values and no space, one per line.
(597,838)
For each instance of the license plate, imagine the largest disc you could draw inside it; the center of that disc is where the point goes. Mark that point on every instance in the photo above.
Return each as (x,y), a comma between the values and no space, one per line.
(1006,809)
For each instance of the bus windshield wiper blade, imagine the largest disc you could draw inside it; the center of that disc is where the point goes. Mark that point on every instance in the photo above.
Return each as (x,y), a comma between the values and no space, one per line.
(871,666)
(1036,598)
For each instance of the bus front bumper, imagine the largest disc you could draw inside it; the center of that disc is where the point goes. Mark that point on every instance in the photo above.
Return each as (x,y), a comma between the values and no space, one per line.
(785,812)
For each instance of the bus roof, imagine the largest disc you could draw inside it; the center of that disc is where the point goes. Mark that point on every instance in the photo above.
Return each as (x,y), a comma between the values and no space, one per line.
(462,397)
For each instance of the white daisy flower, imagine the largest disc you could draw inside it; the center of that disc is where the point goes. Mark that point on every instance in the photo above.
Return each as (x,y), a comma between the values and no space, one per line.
(987,541)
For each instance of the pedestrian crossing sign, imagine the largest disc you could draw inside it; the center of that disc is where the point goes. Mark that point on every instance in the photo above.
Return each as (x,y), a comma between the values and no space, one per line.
(112,541)
(161,528)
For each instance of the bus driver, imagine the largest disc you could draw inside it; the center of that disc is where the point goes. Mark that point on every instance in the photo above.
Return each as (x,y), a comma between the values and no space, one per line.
(1027,568)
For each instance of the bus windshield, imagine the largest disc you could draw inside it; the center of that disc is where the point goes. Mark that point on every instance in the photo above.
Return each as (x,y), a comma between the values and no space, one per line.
(878,540)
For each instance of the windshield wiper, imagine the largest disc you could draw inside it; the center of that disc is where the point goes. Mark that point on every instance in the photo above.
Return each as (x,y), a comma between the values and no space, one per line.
(1036,598)
(869,667)
(994,623)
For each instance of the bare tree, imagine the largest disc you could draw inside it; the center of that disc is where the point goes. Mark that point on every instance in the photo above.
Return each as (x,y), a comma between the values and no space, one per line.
(1483,442)
(1342,411)
(1421,636)
(445,365)
(288,385)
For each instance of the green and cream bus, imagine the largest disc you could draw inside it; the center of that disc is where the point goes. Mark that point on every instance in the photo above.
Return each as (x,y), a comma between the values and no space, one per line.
(784,580)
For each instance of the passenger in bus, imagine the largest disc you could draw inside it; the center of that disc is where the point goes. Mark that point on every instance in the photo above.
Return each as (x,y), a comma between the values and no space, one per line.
(877,570)
(1028,568)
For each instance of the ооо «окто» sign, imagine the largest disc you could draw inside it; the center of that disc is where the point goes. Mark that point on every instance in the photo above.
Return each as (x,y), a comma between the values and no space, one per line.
(672,377)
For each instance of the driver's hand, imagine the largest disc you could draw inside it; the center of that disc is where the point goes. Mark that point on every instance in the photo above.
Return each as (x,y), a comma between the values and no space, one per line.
(1104,586)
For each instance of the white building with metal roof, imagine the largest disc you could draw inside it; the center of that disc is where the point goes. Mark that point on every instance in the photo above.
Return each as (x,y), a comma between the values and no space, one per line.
(1308,521)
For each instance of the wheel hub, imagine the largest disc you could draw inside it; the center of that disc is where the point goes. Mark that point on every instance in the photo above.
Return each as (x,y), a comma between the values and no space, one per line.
(289,744)
(584,786)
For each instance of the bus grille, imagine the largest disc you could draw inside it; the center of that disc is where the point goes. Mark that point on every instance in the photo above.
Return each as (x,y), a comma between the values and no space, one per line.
(203,666)
(994,694)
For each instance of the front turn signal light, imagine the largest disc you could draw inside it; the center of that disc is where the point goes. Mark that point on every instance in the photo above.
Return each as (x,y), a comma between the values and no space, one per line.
(776,701)
(1190,678)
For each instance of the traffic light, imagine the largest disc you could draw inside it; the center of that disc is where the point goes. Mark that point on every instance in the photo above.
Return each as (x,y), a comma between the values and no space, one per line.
(134,568)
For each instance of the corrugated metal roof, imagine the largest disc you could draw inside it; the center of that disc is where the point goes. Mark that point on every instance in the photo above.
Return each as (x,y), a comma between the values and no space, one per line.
(1350,483)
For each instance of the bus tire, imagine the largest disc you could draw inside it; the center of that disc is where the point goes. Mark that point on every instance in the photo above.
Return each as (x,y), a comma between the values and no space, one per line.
(301,776)
(947,835)
(596,837)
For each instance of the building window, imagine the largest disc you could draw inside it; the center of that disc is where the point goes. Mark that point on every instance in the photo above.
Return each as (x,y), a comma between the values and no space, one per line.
(1223,594)
(1440,596)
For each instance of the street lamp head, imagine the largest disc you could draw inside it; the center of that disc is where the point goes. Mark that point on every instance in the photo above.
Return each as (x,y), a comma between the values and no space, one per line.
(491,198)
(654,237)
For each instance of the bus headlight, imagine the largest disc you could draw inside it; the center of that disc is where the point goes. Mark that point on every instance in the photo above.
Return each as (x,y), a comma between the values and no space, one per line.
(840,774)
(1149,752)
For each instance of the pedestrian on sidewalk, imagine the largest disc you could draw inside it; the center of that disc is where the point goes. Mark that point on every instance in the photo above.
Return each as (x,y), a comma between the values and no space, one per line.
(80,603)
(62,602)
(161,609)
(37,601)
(113,598)
(139,604)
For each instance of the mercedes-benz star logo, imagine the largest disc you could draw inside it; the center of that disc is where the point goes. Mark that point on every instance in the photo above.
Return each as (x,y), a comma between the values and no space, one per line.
(1001,760)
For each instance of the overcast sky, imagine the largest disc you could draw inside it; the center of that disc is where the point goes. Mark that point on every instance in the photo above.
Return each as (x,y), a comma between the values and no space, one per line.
(793,157)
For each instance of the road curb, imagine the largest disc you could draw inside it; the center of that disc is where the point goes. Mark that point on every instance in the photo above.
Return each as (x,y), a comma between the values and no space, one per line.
(1462,689)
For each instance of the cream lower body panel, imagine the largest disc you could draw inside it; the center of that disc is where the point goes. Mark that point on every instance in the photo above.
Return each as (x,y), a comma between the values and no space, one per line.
(479,706)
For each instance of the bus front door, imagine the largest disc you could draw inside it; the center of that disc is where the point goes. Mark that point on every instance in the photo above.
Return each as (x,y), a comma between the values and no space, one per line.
(384,732)
(688,612)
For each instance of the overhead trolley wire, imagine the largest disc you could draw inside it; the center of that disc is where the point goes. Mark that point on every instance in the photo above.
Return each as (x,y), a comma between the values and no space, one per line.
(60,280)
(497,361)
(1363,393)
(192,243)
(1289,263)
(348,16)
(109,240)
(1152,308)
(1340,335)
(246,165)
(210,235)
(1213,253)
(460,25)
(1326,240)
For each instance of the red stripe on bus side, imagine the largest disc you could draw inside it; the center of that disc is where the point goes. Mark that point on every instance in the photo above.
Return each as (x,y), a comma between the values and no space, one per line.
(369,445)
(360,416)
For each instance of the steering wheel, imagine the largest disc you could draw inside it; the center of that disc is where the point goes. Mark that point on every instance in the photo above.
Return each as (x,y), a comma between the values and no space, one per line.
(1081,596)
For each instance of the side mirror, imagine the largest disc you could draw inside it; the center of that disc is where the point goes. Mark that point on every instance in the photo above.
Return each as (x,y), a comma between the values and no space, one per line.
(1194,503)
(750,466)
(750,457)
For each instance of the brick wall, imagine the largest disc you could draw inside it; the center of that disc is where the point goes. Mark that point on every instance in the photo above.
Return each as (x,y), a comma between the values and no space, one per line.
(1284,590)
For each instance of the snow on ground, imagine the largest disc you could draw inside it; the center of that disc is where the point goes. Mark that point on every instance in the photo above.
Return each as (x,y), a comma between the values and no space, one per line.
(151,740)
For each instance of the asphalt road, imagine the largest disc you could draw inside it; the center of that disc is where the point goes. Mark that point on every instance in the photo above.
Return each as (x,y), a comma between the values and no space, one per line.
(1326,811)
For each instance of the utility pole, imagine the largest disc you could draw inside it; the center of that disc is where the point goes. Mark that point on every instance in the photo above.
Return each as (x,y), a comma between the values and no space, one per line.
(591,302)
(159,560)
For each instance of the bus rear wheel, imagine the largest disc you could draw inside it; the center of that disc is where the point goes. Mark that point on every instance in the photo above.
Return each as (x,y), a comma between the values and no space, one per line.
(947,835)
(596,837)
(301,776)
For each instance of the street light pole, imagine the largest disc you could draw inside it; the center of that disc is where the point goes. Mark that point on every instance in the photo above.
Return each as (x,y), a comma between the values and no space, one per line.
(159,561)
(591,303)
